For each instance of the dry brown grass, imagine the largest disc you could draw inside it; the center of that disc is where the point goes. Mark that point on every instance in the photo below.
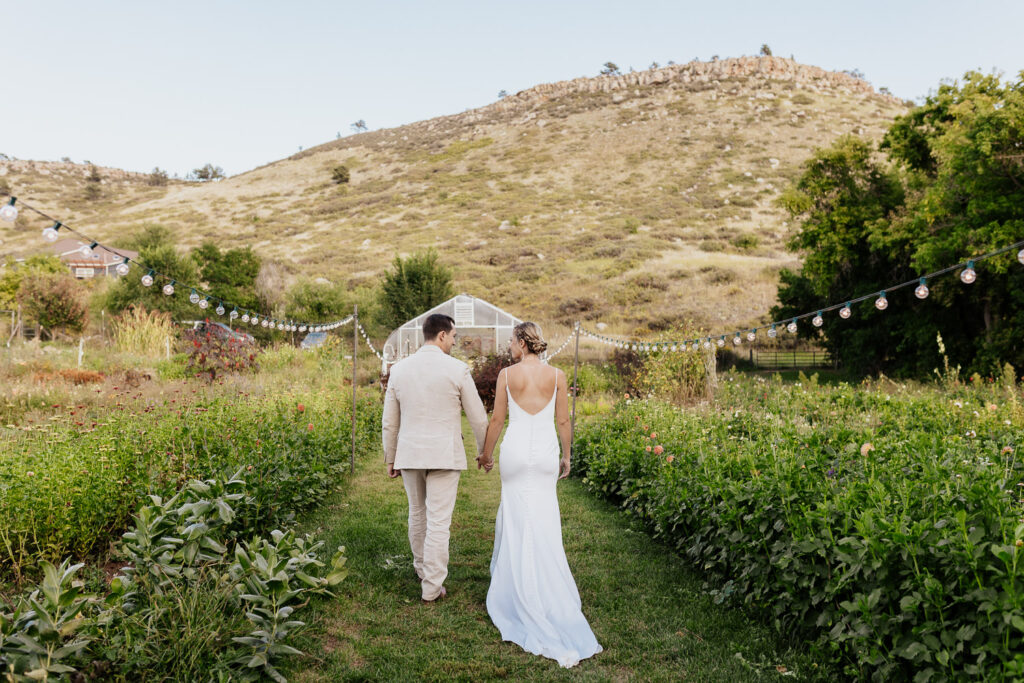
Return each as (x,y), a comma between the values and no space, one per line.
(574,203)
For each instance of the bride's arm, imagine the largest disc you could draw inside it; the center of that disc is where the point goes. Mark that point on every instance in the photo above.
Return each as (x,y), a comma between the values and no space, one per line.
(563,424)
(497,422)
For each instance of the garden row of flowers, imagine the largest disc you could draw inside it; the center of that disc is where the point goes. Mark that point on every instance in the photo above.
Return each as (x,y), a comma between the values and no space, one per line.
(884,525)
(191,502)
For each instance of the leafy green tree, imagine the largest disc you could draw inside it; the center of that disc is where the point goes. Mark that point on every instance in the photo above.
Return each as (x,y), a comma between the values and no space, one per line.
(611,69)
(14,273)
(953,187)
(317,301)
(57,301)
(158,252)
(230,275)
(414,285)
(207,173)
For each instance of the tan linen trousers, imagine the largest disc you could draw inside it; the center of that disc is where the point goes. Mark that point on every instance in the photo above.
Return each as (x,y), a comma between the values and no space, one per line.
(431,496)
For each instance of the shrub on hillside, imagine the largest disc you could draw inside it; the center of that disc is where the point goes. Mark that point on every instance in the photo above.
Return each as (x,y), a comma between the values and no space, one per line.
(340,175)
(414,285)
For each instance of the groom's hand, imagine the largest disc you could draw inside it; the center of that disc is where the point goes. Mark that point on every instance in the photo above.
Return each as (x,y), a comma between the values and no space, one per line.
(392,472)
(486,463)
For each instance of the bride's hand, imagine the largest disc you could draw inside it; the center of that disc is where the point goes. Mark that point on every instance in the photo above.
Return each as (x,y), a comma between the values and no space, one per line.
(563,468)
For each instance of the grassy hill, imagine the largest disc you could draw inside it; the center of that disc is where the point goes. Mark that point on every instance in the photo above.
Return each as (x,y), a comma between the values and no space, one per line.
(637,200)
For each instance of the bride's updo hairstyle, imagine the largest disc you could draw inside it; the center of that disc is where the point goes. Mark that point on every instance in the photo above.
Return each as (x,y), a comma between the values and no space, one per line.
(529,334)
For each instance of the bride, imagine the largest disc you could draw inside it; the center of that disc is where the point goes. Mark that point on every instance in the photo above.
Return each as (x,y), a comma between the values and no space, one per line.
(533,598)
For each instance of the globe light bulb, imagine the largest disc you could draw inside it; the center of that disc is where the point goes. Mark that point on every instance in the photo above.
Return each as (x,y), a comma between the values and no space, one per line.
(204,303)
(736,341)
(169,288)
(220,309)
(122,268)
(302,328)
(233,314)
(921,292)
(87,249)
(967,275)
(264,323)
(9,212)
(720,341)
(881,303)
(634,347)
(1020,256)
(818,321)
(845,312)
(245,317)
(254,320)
(50,233)
(280,326)
(791,327)
(194,297)
(675,347)
(751,336)
(707,344)
(147,279)
(772,332)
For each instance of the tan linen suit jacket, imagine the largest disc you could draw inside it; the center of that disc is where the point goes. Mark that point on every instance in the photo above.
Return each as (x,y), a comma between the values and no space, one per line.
(422,423)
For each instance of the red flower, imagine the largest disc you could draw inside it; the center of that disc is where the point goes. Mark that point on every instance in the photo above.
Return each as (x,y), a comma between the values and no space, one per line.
(658,450)
(669,458)
(310,426)
(301,408)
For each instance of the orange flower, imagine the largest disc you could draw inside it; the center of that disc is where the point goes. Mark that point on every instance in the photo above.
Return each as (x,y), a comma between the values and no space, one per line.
(658,450)
(648,449)
(654,435)
(301,408)
(310,426)
(669,458)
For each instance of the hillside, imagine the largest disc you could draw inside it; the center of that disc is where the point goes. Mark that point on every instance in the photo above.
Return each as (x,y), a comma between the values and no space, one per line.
(636,200)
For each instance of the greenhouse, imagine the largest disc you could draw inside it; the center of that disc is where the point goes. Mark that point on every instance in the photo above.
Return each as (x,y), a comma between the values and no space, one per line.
(483,328)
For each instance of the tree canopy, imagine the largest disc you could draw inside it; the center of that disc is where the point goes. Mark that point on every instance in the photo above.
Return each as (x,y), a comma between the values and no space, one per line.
(414,285)
(945,184)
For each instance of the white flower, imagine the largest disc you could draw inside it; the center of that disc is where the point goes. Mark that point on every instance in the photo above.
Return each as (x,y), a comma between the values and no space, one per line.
(958,404)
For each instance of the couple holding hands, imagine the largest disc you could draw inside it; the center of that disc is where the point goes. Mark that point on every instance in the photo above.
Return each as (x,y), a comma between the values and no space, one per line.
(532,599)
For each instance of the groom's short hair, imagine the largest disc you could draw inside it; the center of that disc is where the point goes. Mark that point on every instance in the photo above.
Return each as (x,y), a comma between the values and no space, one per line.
(435,324)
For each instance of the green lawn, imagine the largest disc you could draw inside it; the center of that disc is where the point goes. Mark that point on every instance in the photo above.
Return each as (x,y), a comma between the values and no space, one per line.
(648,609)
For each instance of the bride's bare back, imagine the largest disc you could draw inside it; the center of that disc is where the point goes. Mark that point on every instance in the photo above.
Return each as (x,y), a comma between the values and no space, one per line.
(532,385)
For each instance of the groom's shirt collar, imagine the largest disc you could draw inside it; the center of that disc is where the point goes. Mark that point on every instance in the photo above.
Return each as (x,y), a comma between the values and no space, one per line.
(430,348)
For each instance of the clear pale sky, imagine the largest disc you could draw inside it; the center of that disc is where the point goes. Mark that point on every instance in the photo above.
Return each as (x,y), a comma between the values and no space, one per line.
(178,84)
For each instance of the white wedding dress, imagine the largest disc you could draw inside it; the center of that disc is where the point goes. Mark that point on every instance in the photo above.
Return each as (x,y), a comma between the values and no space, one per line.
(533,598)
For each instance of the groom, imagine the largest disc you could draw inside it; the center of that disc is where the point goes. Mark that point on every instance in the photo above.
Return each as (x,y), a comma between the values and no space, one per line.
(422,433)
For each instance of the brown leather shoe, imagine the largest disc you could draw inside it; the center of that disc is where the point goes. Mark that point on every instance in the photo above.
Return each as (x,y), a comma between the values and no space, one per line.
(440,596)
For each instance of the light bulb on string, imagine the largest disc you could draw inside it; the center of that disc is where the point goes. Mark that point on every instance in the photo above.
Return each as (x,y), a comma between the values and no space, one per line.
(845,312)
(967,275)
(791,327)
(675,347)
(169,288)
(921,292)
(204,303)
(736,341)
(147,279)
(302,328)
(194,297)
(751,336)
(245,316)
(881,303)
(264,322)
(1020,257)
(818,321)
(220,308)
(707,344)
(772,332)
(50,233)
(123,267)
(233,314)
(87,249)
(9,212)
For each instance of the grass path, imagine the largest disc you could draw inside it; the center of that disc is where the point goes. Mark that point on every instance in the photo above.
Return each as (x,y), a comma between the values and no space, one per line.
(647,609)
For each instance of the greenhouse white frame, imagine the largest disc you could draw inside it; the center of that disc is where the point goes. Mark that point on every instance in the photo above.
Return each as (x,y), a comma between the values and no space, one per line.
(475,319)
